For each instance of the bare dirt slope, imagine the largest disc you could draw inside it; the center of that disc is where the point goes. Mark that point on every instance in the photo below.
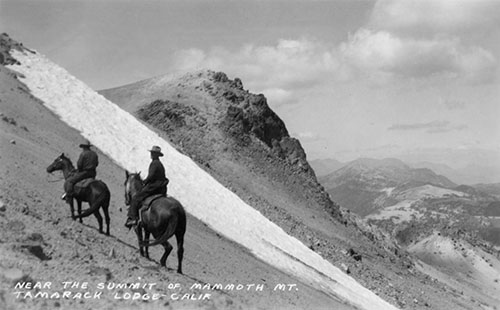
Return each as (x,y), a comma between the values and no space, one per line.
(40,243)
(469,265)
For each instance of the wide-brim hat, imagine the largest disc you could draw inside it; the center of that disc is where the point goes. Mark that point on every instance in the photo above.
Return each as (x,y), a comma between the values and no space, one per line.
(156,149)
(86,144)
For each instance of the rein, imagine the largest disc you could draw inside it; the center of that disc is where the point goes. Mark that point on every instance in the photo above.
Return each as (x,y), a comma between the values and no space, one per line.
(64,165)
(53,181)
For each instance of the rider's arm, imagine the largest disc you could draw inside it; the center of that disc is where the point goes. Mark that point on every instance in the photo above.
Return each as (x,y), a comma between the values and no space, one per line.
(151,173)
(81,161)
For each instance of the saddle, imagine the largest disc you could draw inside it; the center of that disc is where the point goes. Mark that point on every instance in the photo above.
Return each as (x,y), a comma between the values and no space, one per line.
(81,185)
(146,204)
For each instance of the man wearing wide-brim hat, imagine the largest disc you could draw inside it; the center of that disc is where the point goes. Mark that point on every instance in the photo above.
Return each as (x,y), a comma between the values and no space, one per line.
(155,183)
(86,168)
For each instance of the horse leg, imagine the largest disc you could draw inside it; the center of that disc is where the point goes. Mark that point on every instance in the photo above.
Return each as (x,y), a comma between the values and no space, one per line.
(105,208)
(168,248)
(79,205)
(138,232)
(146,240)
(179,236)
(72,209)
(98,216)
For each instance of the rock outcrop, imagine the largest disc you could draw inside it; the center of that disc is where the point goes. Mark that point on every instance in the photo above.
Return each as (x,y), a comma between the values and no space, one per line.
(240,127)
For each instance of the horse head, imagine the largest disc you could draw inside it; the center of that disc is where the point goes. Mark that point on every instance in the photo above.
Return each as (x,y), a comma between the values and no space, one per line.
(60,163)
(133,184)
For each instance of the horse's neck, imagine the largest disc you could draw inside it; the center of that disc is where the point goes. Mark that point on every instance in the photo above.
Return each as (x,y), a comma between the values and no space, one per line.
(136,187)
(68,169)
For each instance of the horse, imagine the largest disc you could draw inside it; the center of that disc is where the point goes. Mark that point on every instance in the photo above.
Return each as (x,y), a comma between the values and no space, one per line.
(96,194)
(164,218)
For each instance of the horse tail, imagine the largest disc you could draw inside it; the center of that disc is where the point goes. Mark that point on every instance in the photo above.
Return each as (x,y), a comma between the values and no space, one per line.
(169,232)
(175,218)
(102,200)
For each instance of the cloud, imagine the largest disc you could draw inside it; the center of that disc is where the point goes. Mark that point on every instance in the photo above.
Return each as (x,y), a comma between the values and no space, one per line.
(431,16)
(417,126)
(426,39)
(189,59)
(290,64)
(418,58)
(454,104)
(447,129)
(307,137)
(279,96)
(429,127)
(403,40)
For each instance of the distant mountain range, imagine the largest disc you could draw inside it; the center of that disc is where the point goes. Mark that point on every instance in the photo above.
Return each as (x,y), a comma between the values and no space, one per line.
(324,167)
(391,194)
(360,184)
(471,174)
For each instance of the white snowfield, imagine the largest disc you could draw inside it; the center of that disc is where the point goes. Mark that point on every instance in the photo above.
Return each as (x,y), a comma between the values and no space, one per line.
(126,140)
(428,191)
(407,208)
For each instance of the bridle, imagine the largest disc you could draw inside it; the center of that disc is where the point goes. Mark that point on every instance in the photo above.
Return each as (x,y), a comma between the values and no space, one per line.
(128,195)
(57,180)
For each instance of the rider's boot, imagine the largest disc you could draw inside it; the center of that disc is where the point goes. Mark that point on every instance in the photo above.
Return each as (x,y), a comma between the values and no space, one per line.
(130,222)
(68,197)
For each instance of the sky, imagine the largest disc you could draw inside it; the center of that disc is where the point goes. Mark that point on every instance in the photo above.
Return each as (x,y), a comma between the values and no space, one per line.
(124,139)
(416,80)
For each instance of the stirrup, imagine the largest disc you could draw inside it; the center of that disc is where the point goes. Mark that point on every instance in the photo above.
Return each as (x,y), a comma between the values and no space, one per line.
(130,223)
(63,197)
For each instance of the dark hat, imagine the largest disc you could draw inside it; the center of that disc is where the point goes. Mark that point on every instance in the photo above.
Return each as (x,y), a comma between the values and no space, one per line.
(156,149)
(86,144)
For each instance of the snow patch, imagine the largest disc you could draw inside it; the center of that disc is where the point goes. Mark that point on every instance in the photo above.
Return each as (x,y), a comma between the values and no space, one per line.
(429,191)
(405,210)
(400,212)
(387,190)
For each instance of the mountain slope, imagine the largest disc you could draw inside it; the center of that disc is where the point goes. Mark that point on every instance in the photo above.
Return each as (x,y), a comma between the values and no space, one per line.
(40,243)
(426,213)
(77,252)
(125,140)
(324,167)
(470,265)
(236,137)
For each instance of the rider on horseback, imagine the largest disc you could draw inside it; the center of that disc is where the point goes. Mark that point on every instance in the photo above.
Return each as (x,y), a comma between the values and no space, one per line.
(86,168)
(155,183)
